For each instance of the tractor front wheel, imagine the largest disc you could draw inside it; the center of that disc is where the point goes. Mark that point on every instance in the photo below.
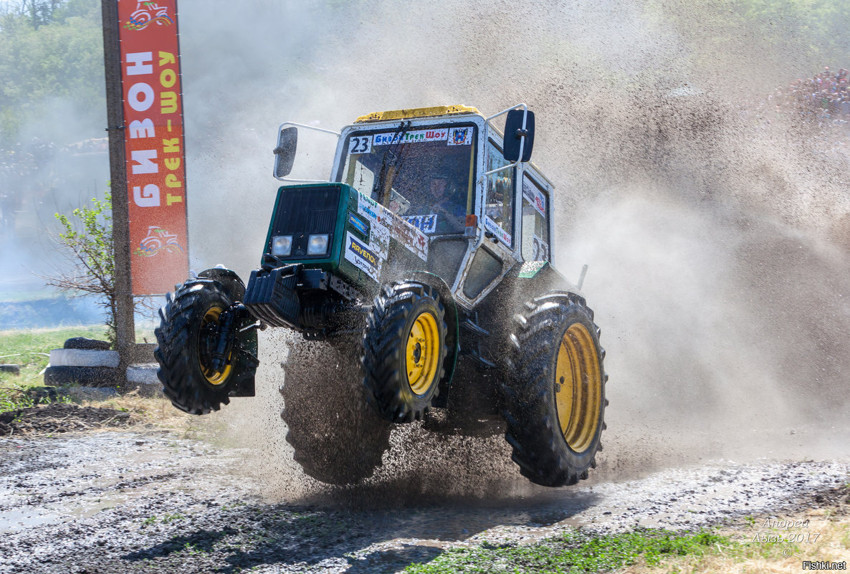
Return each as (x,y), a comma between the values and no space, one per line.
(404,350)
(187,338)
(554,396)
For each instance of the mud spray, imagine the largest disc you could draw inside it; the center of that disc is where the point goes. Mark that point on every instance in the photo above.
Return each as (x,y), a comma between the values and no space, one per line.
(717,232)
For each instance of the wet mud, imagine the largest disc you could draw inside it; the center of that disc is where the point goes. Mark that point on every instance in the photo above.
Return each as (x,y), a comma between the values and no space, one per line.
(145,501)
(60,418)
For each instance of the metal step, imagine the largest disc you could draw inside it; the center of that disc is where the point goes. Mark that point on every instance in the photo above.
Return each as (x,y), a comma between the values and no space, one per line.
(476,355)
(474,327)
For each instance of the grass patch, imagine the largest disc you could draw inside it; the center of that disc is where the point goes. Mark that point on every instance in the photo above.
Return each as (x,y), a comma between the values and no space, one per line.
(31,348)
(577,552)
(14,398)
(824,538)
(17,397)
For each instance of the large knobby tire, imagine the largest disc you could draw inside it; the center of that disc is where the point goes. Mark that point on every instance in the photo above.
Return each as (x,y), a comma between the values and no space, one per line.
(554,394)
(337,437)
(186,338)
(404,350)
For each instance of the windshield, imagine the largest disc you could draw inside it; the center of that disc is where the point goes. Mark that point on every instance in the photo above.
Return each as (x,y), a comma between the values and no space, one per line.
(425,175)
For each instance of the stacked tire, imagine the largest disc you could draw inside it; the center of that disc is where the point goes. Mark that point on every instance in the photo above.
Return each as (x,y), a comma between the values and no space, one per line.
(83,362)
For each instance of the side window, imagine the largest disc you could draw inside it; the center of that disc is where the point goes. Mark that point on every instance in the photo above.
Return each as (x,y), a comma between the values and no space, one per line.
(535,230)
(499,201)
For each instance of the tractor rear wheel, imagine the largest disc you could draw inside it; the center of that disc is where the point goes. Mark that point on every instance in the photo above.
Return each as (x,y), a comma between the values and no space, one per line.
(337,437)
(187,336)
(404,350)
(554,395)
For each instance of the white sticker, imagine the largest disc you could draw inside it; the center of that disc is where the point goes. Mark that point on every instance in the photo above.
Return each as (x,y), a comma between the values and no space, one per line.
(412,238)
(424,223)
(362,257)
(385,224)
(494,228)
(534,196)
(539,249)
(379,222)
(360,144)
(460,136)
(418,136)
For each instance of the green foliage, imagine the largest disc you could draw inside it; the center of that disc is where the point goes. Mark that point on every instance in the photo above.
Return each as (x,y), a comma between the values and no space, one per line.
(89,240)
(14,398)
(49,49)
(576,552)
(149,521)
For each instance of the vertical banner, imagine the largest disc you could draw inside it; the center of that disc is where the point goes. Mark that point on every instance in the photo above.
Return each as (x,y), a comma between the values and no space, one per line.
(153,136)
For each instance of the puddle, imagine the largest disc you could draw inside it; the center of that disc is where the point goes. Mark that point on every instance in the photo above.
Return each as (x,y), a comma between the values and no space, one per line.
(19,519)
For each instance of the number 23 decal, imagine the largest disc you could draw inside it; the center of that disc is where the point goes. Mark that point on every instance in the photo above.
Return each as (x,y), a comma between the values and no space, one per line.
(360,144)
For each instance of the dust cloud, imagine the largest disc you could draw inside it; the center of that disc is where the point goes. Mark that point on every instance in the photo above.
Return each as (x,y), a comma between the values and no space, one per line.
(716,231)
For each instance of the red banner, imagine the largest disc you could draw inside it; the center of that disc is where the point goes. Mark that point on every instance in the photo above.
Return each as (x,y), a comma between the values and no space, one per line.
(153,136)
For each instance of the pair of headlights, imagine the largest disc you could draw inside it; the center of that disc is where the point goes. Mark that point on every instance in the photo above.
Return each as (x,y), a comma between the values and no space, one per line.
(316,245)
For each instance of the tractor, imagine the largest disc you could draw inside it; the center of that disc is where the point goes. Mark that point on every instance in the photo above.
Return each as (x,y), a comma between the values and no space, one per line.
(416,284)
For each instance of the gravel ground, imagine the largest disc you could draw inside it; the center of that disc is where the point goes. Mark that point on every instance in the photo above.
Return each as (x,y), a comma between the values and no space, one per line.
(118,501)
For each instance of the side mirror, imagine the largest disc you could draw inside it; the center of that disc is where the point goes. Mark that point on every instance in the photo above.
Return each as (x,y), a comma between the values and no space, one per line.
(284,153)
(514,135)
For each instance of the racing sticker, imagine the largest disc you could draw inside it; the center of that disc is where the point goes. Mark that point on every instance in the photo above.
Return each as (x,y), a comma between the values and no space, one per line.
(531,268)
(534,196)
(424,223)
(380,223)
(494,228)
(539,249)
(358,224)
(385,224)
(360,144)
(412,238)
(460,136)
(417,136)
(362,257)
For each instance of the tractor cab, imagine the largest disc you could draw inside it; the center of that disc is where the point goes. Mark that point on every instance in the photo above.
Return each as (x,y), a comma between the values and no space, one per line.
(447,172)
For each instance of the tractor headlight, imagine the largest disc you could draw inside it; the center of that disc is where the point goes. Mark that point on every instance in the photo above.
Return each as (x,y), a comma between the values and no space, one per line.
(281,245)
(317,244)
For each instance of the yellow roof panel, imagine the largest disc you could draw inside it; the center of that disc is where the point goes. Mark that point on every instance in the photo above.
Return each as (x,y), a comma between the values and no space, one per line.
(414,113)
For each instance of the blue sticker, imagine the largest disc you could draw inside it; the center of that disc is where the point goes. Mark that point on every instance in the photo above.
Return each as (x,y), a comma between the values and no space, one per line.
(359,225)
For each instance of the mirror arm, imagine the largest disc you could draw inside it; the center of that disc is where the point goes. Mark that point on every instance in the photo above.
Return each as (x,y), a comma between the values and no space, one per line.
(278,150)
(521,133)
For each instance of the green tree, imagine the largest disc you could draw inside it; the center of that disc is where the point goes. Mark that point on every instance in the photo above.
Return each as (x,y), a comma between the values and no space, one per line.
(88,241)
(49,50)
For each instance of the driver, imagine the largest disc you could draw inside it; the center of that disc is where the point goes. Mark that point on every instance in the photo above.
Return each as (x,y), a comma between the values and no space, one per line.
(445,204)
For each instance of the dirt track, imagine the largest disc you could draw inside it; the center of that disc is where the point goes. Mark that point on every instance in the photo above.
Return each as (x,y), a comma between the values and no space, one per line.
(119,501)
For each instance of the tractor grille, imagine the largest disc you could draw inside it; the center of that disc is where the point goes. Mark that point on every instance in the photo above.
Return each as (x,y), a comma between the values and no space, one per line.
(303,212)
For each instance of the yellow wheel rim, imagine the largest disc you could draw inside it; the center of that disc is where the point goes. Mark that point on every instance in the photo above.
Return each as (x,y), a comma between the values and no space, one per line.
(213,377)
(578,387)
(423,353)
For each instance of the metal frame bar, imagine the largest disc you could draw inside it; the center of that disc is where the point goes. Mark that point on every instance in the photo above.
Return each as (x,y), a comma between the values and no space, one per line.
(314,128)
(521,142)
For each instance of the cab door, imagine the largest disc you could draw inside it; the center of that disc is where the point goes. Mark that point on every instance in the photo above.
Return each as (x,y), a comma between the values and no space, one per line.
(535,218)
(494,256)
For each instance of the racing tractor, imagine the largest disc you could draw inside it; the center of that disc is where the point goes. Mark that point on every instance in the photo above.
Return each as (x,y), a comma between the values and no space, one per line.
(416,283)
